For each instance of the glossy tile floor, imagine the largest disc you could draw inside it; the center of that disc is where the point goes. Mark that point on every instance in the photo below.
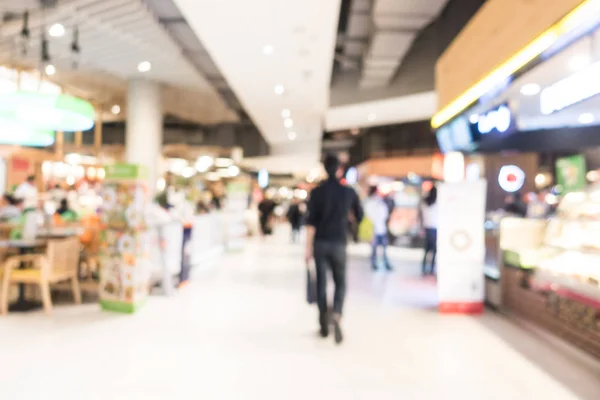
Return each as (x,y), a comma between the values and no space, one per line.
(242,330)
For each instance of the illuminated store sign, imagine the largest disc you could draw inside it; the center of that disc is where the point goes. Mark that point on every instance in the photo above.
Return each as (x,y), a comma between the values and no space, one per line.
(263,178)
(352,176)
(511,178)
(19,134)
(47,111)
(577,87)
(495,120)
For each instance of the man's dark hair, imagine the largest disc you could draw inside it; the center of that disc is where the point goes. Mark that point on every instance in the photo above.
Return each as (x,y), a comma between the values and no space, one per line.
(331,164)
(31,178)
(431,197)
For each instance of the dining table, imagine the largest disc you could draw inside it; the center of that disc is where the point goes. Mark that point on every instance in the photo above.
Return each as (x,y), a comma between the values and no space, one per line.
(59,232)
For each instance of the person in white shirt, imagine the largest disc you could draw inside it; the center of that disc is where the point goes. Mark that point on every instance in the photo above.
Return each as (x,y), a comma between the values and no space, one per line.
(377,211)
(429,216)
(27,192)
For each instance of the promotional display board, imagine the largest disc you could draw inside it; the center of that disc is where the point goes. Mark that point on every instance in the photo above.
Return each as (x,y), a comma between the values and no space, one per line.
(461,246)
(208,238)
(238,192)
(570,173)
(124,275)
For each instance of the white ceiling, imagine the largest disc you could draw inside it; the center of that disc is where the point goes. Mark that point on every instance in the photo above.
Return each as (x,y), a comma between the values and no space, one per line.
(394,25)
(415,107)
(302,33)
(114,36)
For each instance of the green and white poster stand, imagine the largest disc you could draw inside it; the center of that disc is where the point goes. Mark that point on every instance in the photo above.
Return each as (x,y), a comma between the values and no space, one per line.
(570,173)
(124,273)
(238,191)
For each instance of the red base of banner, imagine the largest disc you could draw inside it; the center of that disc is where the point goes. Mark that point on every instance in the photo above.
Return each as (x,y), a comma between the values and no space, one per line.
(461,308)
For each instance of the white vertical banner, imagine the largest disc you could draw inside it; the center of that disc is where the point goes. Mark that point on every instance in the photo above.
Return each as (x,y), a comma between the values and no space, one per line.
(461,246)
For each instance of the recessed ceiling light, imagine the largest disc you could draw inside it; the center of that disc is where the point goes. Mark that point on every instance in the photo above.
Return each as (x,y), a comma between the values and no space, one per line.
(288,122)
(50,69)
(372,117)
(530,89)
(57,30)
(586,118)
(292,135)
(116,109)
(268,49)
(233,171)
(144,66)
(285,113)
(354,131)
(579,62)
(279,89)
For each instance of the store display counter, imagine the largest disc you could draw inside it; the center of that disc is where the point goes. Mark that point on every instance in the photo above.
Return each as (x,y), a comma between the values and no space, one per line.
(559,309)
(556,285)
(208,238)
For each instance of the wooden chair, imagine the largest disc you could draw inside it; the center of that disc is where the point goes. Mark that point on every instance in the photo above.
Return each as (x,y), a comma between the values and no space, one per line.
(5,230)
(59,263)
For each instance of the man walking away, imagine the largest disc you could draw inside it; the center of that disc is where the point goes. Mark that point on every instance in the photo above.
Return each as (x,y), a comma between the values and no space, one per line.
(377,211)
(326,232)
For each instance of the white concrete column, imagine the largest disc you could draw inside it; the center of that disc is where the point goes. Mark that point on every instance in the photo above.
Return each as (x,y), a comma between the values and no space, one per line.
(144,127)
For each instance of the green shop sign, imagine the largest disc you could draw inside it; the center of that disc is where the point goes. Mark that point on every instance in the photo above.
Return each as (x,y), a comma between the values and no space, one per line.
(570,173)
(12,132)
(47,111)
(125,171)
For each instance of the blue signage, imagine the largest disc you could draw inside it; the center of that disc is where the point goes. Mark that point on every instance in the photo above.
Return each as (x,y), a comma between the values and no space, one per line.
(498,120)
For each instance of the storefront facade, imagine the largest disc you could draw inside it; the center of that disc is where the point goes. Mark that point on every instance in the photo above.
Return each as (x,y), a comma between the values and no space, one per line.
(539,102)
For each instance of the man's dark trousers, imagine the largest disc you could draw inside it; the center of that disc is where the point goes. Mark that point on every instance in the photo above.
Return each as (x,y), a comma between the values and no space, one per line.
(330,256)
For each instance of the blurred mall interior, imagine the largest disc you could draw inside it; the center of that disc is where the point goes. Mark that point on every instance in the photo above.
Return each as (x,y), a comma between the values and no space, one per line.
(157,166)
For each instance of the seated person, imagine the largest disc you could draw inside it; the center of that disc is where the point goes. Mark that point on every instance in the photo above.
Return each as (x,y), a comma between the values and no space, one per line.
(9,208)
(64,213)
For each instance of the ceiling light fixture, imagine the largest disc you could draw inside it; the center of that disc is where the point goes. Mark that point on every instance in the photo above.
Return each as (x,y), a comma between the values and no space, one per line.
(50,70)
(188,172)
(233,171)
(288,123)
(279,89)
(144,66)
(292,135)
(286,113)
(116,109)
(204,163)
(57,30)
(530,89)
(268,49)
(75,49)
(223,162)
(372,117)
(586,118)
(25,34)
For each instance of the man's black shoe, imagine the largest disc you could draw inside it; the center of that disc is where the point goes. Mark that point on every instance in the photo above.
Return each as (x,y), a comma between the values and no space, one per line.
(339,336)
(324,332)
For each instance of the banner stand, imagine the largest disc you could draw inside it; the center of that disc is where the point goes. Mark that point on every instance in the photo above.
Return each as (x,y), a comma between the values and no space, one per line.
(461,247)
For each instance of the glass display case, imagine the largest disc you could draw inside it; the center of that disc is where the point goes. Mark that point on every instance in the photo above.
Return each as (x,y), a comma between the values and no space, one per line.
(572,243)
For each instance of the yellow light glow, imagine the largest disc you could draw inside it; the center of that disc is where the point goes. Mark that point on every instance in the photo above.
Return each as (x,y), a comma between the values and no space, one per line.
(519,60)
